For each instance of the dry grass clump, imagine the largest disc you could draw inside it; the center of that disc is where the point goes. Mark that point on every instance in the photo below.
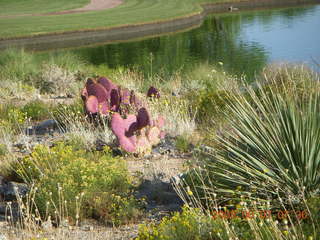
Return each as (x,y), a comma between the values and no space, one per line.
(175,110)
(57,80)
(17,90)
(130,79)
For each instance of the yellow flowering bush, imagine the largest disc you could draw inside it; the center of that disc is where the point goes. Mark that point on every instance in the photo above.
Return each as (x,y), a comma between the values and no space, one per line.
(190,224)
(74,184)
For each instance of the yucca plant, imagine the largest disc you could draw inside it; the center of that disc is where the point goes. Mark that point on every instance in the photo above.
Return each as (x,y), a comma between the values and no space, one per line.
(273,148)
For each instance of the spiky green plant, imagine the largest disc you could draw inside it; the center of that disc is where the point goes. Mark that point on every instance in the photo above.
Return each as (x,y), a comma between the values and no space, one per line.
(273,148)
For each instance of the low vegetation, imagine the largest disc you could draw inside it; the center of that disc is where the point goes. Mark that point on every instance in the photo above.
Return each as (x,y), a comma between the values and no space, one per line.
(255,167)
(72,184)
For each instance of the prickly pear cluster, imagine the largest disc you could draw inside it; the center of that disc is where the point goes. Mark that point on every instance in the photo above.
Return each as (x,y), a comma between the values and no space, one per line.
(136,133)
(103,96)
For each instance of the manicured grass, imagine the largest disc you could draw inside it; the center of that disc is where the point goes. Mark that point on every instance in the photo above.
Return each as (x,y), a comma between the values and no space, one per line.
(18,7)
(130,12)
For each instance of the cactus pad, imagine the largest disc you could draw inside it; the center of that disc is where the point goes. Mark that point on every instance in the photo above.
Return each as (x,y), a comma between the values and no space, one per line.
(153,93)
(91,105)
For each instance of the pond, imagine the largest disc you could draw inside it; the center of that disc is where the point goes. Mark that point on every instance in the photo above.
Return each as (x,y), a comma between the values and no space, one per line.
(245,42)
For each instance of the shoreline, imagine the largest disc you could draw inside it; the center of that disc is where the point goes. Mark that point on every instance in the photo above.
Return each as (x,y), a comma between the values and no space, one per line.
(88,37)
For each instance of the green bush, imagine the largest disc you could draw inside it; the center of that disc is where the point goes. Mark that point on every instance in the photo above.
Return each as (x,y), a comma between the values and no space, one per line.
(11,117)
(209,105)
(36,110)
(75,184)
(190,224)
(193,224)
(182,144)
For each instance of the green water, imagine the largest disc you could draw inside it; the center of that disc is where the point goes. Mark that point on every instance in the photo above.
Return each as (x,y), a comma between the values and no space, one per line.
(245,42)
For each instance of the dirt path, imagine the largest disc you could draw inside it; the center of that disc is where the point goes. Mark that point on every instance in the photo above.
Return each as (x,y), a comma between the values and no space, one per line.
(94,5)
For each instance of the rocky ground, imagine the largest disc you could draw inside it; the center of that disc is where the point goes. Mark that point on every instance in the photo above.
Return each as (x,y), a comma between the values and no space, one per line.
(157,171)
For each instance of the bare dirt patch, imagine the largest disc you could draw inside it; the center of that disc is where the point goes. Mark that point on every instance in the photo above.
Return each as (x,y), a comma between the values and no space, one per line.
(94,5)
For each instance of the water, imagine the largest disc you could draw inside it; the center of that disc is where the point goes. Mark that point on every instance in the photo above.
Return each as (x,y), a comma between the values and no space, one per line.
(244,42)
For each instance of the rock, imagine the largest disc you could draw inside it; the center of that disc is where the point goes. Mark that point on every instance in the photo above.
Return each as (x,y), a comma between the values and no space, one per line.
(166,146)
(45,127)
(159,193)
(9,209)
(5,207)
(176,179)
(8,190)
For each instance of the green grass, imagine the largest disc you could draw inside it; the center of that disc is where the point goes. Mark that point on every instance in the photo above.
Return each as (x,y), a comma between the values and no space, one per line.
(18,7)
(130,12)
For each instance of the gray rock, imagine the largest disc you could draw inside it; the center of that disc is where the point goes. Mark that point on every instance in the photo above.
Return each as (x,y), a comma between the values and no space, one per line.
(166,146)
(45,127)
(9,209)
(8,190)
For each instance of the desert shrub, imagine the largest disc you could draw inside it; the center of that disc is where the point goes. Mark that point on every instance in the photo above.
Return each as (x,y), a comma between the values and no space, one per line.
(182,144)
(178,119)
(74,184)
(57,80)
(205,76)
(73,110)
(271,150)
(210,106)
(190,224)
(208,89)
(11,117)
(36,110)
(17,90)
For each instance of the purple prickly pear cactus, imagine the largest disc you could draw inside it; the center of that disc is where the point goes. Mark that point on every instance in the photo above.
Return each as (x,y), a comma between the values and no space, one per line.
(84,94)
(90,81)
(153,93)
(125,96)
(91,105)
(107,84)
(131,125)
(104,108)
(134,100)
(119,126)
(135,134)
(98,91)
(114,100)
(143,118)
